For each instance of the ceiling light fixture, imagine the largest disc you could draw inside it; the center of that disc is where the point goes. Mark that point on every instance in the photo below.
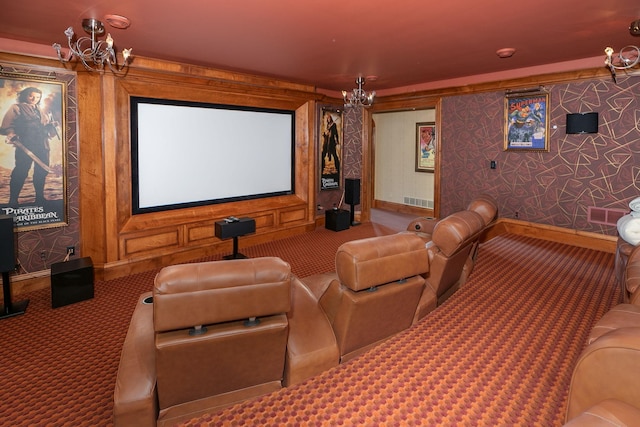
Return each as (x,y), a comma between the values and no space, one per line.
(93,53)
(628,57)
(358,97)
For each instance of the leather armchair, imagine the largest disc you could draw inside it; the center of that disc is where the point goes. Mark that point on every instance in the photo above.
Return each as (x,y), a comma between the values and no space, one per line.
(215,334)
(607,369)
(449,249)
(374,291)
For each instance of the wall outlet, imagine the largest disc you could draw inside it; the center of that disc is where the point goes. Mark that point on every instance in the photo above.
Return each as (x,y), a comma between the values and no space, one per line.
(43,255)
(71,250)
(517,214)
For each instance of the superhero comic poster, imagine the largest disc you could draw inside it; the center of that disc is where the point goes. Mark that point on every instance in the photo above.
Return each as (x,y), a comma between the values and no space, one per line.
(330,137)
(527,122)
(32,152)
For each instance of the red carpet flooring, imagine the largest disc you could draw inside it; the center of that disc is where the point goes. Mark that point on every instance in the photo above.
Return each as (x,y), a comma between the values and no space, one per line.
(58,366)
(500,352)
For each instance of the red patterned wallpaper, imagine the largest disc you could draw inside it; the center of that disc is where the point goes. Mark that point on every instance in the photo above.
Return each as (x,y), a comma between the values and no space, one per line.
(555,187)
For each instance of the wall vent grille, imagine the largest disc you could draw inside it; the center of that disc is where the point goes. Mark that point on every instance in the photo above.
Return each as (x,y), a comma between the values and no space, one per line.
(606,216)
(422,203)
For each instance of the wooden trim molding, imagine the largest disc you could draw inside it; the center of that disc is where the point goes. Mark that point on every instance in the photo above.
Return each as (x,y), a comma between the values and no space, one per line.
(41,280)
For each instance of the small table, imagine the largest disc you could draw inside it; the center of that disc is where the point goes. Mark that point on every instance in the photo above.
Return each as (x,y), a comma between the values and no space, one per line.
(233,228)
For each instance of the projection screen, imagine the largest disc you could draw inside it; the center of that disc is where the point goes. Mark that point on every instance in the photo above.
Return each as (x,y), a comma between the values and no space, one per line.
(187,154)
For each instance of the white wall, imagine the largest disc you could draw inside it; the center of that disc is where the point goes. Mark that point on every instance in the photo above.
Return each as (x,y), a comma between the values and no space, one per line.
(395,151)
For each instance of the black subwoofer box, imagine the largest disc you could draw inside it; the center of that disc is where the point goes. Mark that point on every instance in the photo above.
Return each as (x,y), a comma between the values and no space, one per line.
(337,220)
(71,281)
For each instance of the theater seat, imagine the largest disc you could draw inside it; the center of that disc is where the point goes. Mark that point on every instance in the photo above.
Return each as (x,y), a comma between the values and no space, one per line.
(608,368)
(608,413)
(220,332)
(449,249)
(374,291)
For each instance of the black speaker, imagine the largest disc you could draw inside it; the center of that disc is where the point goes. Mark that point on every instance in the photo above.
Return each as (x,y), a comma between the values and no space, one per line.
(352,191)
(71,281)
(226,229)
(7,244)
(582,123)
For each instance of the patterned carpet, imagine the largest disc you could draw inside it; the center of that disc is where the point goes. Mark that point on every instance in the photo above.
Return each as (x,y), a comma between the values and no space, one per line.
(59,365)
(500,352)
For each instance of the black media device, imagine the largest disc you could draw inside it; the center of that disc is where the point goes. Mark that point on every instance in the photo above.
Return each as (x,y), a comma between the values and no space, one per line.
(582,123)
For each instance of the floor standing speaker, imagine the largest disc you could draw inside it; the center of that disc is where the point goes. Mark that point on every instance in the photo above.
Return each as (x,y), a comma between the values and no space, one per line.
(7,265)
(7,244)
(352,191)
(352,196)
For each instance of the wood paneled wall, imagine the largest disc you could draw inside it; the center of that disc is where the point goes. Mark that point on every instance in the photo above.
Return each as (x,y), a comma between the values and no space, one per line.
(121,243)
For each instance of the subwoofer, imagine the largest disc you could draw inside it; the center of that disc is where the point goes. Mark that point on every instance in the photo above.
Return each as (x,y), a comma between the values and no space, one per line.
(7,244)
(352,191)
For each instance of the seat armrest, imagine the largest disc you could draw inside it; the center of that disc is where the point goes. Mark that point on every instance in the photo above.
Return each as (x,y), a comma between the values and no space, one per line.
(312,346)
(135,398)
(608,368)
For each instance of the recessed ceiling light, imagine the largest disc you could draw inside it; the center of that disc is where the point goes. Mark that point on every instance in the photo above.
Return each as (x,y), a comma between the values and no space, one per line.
(117,21)
(506,52)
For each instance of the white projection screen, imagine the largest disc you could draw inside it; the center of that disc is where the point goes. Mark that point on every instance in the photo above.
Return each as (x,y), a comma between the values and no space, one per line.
(187,154)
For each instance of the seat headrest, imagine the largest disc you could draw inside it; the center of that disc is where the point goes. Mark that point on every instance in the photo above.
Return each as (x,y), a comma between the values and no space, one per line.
(455,231)
(188,295)
(485,206)
(362,264)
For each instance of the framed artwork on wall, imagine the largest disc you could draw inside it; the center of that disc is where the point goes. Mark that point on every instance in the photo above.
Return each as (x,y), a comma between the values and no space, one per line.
(33,151)
(426,146)
(526,123)
(330,145)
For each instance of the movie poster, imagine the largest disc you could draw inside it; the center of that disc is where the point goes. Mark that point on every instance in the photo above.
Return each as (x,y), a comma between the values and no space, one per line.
(32,152)
(331,145)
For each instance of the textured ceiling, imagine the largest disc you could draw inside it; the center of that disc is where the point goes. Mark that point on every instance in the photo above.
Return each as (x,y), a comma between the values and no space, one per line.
(328,43)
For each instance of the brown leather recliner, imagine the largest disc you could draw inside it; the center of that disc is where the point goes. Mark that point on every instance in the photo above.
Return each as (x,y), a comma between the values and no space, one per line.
(221,330)
(626,314)
(483,204)
(374,292)
(449,248)
(166,372)
(219,336)
(607,370)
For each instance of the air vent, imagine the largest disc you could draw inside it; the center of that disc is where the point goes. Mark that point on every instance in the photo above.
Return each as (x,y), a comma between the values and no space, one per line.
(422,203)
(606,216)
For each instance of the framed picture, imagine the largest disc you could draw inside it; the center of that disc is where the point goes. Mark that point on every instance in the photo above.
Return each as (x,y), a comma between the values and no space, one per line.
(33,151)
(426,146)
(330,138)
(526,125)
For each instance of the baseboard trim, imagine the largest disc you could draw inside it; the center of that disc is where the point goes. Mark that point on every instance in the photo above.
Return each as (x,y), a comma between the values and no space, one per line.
(24,283)
(583,239)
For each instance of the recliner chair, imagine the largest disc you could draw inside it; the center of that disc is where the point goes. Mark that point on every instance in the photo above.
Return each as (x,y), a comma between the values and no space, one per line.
(374,292)
(218,335)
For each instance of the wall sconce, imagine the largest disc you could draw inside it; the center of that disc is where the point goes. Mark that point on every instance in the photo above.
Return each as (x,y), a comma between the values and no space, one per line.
(627,58)
(94,53)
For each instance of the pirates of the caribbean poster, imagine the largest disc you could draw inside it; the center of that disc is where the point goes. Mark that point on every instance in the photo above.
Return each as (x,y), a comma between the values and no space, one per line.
(32,152)
(330,144)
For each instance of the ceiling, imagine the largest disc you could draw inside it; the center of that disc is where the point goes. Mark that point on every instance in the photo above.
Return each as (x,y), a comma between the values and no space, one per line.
(328,43)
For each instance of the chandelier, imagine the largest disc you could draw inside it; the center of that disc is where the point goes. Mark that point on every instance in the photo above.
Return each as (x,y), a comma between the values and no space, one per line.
(358,97)
(628,57)
(94,53)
